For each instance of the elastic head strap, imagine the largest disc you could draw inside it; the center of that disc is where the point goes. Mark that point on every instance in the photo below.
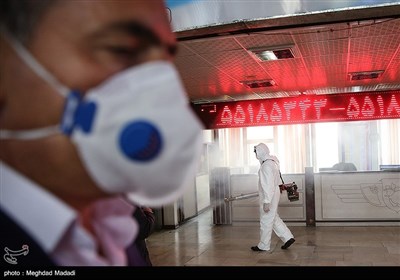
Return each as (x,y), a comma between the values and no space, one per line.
(32,62)
(31,134)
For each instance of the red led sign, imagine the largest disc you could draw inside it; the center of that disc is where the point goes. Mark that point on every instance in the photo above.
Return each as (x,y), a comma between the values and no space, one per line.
(301,109)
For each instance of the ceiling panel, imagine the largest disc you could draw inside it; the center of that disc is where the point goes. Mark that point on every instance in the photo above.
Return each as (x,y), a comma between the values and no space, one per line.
(321,33)
(370,61)
(228,57)
(325,60)
(264,40)
(191,60)
(213,67)
(374,28)
(324,47)
(183,50)
(198,73)
(214,45)
(367,44)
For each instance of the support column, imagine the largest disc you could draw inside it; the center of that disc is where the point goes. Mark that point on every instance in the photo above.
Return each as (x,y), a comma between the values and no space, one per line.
(220,188)
(310,196)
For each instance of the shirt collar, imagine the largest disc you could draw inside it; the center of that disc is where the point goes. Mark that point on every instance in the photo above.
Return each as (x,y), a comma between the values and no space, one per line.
(44,216)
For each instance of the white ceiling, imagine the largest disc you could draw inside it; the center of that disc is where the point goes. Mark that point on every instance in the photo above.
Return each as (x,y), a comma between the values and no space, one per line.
(327,46)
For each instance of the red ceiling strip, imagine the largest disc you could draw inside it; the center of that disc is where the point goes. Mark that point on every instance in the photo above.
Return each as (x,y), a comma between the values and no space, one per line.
(301,109)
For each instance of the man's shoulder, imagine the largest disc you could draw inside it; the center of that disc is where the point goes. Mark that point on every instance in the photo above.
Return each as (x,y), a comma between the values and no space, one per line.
(20,248)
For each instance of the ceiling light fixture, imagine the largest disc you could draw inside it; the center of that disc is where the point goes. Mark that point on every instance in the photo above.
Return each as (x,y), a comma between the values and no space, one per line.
(272,53)
(367,75)
(258,83)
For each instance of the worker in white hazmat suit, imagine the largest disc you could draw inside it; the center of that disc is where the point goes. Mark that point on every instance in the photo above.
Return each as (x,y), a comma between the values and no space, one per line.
(269,193)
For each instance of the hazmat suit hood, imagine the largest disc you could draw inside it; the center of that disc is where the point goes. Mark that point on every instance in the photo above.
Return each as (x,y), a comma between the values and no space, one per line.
(263,153)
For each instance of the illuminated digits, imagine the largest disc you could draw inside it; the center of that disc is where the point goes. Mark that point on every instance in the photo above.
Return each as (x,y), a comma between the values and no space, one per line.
(337,107)
(289,106)
(304,105)
(262,114)
(226,117)
(393,106)
(380,104)
(368,108)
(251,114)
(318,104)
(353,110)
(239,116)
(276,113)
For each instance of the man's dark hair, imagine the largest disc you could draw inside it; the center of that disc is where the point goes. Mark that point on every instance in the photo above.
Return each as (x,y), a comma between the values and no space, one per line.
(19,17)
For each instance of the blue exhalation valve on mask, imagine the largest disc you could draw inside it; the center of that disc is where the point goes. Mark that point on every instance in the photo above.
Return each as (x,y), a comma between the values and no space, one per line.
(140,140)
(77,114)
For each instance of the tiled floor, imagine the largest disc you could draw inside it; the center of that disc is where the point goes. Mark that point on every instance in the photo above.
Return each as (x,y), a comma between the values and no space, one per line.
(200,243)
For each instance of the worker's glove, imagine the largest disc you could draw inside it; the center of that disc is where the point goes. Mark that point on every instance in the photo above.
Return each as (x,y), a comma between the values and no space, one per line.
(266,207)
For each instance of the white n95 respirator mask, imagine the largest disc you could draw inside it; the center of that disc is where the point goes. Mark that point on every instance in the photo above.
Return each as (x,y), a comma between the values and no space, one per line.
(135,133)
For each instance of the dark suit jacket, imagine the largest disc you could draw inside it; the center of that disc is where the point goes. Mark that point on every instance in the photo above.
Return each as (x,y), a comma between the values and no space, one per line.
(13,238)
(137,252)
